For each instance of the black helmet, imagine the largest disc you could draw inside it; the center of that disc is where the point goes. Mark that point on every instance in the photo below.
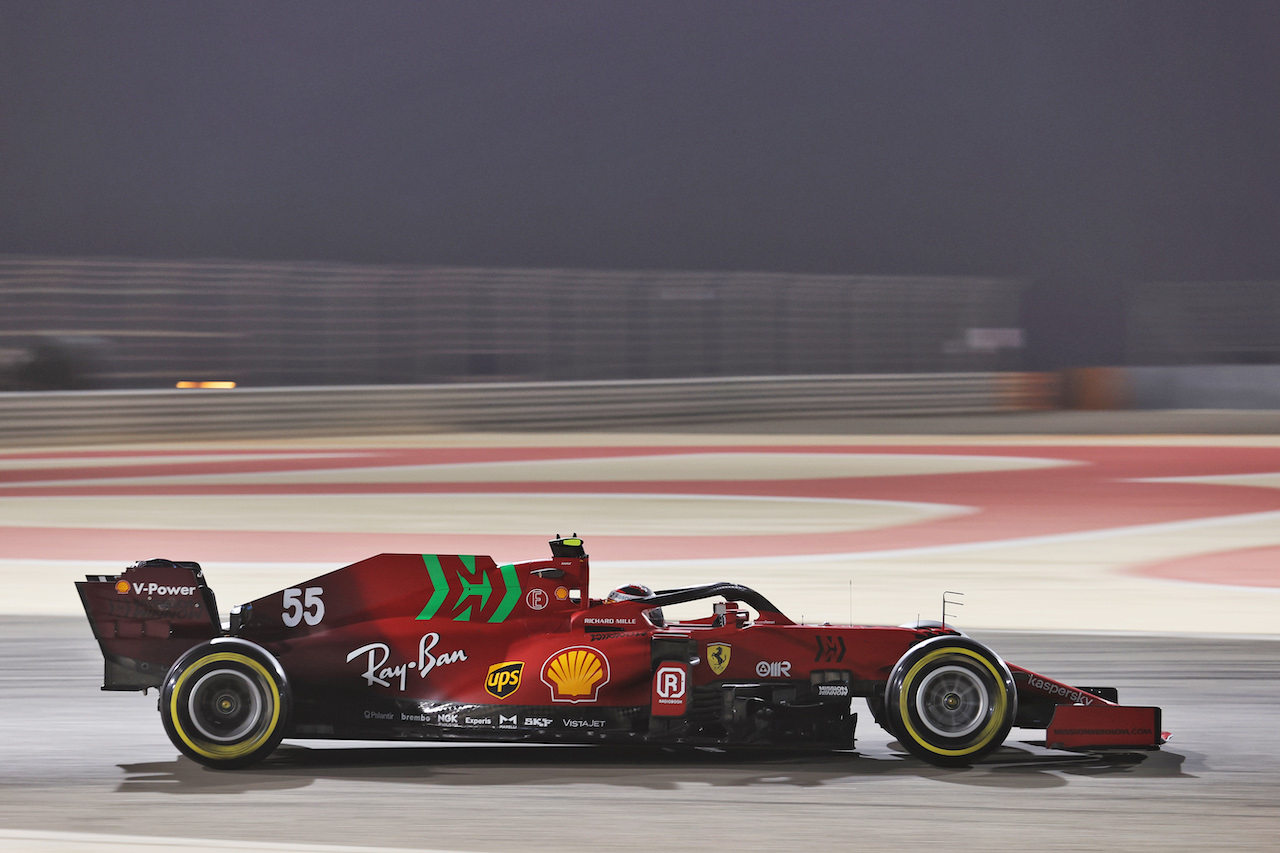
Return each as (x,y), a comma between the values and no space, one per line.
(630,592)
(637,592)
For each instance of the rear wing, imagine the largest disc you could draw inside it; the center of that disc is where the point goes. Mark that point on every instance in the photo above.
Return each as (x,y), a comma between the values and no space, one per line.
(146,617)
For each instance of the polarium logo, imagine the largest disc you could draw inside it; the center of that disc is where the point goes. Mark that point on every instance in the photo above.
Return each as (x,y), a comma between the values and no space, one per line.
(718,657)
(576,674)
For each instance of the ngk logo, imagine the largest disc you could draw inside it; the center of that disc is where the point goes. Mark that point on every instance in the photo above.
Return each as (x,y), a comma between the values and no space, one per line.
(670,689)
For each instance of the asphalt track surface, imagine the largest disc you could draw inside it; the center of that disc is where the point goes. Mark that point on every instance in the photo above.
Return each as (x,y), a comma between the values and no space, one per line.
(98,766)
(82,769)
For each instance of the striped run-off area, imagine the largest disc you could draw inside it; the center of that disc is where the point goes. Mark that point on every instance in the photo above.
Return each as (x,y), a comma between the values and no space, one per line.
(1054,533)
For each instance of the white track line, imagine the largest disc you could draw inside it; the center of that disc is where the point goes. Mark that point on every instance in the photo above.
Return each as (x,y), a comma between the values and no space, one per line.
(962,547)
(725,466)
(1213,479)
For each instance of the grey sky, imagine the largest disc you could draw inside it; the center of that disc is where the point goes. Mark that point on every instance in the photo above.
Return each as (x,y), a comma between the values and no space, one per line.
(1064,139)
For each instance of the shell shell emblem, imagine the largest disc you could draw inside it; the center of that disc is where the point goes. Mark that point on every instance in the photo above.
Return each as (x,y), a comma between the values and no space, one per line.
(122,587)
(576,674)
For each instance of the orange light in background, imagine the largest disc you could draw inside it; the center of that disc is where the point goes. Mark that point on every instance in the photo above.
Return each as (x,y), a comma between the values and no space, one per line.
(206,385)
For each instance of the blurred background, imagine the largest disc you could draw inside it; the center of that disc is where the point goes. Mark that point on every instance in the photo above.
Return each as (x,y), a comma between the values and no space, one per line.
(481,272)
(328,193)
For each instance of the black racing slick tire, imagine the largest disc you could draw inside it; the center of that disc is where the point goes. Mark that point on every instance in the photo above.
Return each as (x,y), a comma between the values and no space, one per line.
(875,704)
(226,703)
(950,701)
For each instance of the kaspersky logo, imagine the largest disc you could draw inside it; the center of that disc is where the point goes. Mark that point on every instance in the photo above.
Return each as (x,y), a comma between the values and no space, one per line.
(504,678)
(576,674)
(462,589)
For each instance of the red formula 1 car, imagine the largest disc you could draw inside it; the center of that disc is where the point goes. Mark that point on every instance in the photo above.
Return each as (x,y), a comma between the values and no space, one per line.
(437,647)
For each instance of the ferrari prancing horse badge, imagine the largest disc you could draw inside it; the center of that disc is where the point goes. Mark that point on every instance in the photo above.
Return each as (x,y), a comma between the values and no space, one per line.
(718,657)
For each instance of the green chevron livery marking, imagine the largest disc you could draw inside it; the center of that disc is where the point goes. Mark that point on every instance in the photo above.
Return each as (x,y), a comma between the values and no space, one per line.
(439,586)
(468,588)
(510,597)
(483,589)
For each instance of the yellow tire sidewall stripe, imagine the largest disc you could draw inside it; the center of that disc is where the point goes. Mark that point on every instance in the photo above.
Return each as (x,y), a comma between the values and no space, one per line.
(999,701)
(232,750)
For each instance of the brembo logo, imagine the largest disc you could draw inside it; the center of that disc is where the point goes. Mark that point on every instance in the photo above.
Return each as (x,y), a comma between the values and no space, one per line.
(123,587)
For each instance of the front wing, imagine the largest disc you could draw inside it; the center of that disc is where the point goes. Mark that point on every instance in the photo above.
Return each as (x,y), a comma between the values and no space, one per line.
(1087,717)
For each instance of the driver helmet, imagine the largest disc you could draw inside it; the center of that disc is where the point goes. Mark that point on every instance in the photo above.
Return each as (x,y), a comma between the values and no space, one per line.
(637,592)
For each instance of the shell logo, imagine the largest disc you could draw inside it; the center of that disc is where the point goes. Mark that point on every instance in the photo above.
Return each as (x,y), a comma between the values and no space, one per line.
(576,674)
(122,587)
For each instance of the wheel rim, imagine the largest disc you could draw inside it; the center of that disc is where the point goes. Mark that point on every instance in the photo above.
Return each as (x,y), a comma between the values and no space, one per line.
(226,705)
(953,701)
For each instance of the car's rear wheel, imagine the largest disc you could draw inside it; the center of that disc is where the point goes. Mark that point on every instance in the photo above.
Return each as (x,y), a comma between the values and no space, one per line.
(226,703)
(950,701)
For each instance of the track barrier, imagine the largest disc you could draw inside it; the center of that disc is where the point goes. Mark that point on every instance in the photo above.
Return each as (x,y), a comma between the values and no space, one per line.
(66,417)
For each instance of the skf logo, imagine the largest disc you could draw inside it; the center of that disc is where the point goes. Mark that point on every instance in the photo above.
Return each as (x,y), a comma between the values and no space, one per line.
(504,678)
(718,657)
(122,587)
(576,674)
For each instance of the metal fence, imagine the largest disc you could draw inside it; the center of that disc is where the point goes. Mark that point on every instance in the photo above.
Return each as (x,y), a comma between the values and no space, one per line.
(1225,322)
(151,323)
(53,417)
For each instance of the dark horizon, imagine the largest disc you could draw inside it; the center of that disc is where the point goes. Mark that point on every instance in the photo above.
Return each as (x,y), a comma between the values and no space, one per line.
(1076,145)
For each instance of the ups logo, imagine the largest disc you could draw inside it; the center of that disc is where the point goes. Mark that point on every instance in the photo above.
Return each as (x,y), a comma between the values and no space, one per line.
(504,678)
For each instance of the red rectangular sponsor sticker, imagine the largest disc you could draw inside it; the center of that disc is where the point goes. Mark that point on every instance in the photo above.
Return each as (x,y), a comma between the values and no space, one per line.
(1081,726)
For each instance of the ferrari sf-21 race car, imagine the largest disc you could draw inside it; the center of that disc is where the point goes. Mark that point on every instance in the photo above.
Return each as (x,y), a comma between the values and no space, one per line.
(445,647)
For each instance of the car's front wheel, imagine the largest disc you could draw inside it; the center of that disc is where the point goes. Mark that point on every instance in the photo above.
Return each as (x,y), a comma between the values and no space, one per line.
(950,701)
(226,703)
